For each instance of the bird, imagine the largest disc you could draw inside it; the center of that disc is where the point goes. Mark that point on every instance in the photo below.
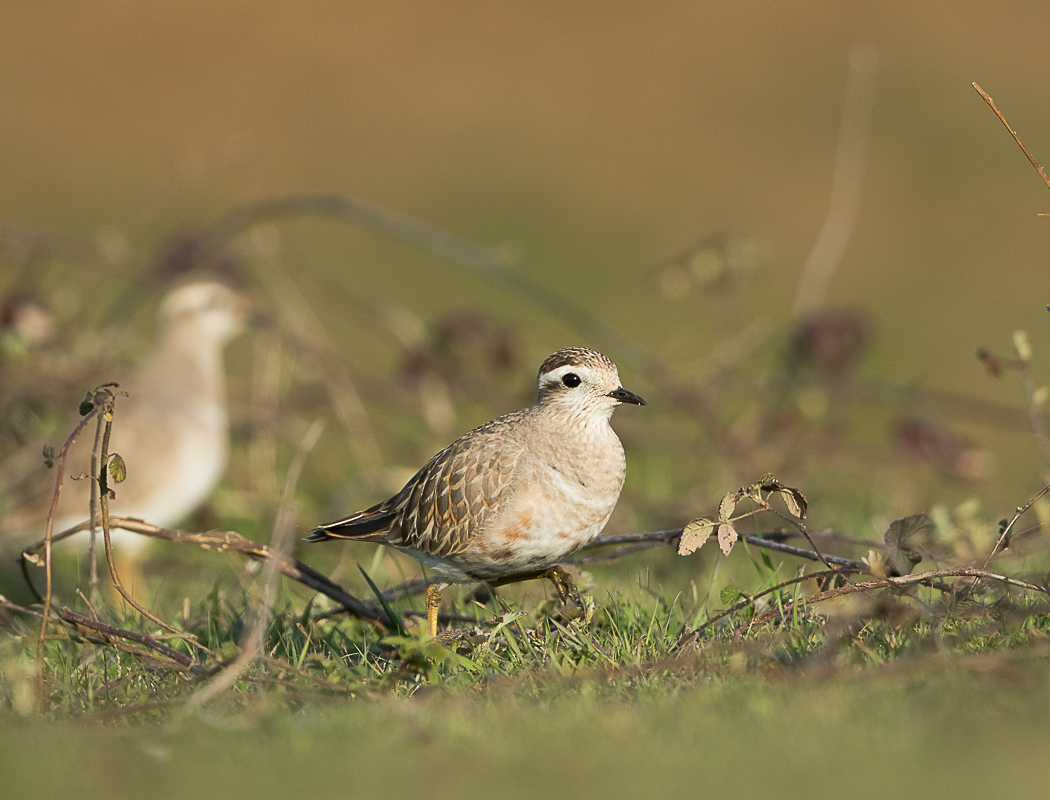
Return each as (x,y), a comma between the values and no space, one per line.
(171,429)
(510,499)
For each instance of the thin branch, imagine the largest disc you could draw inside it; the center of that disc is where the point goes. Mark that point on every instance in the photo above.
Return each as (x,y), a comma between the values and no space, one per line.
(108,406)
(825,560)
(931,578)
(81,621)
(670,537)
(93,510)
(844,203)
(609,556)
(638,542)
(1035,529)
(253,643)
(233,542)
(425,236)
(750,600)
(1002,119)
(1006,532)
(664,537)
(918,577)
(406,589)
(812,555)
(60,465)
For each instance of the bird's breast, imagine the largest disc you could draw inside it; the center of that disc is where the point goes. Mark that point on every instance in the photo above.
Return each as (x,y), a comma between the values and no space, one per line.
(560,503)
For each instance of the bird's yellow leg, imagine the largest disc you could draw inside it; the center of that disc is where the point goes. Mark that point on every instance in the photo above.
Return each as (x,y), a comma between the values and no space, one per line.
(433,604)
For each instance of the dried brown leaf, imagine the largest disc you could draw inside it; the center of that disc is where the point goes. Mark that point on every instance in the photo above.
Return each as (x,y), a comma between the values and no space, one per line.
(727,537)
(901,554)
(796,502)
(694,535)
(727,506)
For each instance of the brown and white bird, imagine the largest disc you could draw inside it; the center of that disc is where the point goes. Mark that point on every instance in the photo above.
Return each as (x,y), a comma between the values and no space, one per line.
(510,499)
(172,429)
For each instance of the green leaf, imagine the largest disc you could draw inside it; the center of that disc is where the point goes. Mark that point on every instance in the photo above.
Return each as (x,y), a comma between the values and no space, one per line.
(694,535)
(118,470)
(729,594)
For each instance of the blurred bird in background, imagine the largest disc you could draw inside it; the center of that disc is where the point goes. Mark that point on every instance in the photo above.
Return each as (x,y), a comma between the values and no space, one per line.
(172,429)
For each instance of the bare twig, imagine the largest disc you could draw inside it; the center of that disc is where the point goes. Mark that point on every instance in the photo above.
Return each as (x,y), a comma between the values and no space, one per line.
(931,578)
(670,537)
(948,403)
(608,556)
(844,203)
(639,542)
(93,510)
(919,577)
(660,537)
(1006,532)
(420,234)
(60,465)
(825,560)
(281,543)
(1034,530)
(107,406)
(750,600)
(80,621)
(232,542)
(406,589)
(1002,119)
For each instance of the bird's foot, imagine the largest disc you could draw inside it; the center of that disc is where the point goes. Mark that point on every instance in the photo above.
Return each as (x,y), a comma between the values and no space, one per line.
(564,582)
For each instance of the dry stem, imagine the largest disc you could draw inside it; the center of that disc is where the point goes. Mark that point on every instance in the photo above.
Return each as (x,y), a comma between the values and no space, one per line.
(1002,119)
(844,204)
(107,409)
(281,543)
(233,542)
(1006,532)
(60,465)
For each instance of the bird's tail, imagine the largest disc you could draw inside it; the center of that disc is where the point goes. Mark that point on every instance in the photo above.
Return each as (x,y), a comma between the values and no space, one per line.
(370,525)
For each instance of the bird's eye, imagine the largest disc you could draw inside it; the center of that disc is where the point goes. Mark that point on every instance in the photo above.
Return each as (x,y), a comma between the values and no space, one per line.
(571,379)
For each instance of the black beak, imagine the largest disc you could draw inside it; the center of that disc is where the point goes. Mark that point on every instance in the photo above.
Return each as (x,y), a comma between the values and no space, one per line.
(625,396)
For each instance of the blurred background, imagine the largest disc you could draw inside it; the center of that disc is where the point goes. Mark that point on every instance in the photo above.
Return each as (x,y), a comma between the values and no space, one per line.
(666,170)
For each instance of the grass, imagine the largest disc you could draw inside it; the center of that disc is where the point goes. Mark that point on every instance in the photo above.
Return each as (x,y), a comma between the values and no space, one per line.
(633,646)
(902,689)
(714,670)
(942,725)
